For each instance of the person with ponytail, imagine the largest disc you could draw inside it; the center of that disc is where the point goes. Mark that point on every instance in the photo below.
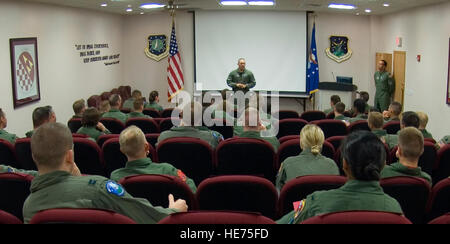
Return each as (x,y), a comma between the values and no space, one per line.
(364,157)
(310,161)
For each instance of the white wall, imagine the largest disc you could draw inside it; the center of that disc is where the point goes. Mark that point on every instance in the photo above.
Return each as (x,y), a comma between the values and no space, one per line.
(147,74)
(63,76)
(424,31)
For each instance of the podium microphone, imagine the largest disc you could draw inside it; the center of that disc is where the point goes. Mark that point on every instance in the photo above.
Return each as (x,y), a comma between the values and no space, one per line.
(333,76)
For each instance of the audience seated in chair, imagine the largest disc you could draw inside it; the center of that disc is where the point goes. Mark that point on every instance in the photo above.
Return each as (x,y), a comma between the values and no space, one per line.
(333,101)
(9,169)
(423,117)
(115,101)
(135,95)
(410,148)
(364,157)
(59,183)
(359,107)
(339,110)
(91,125)
(104,107)
(407,119)
(134,145)
(3,133)
(253,128)
(191,118)
(41,115)
(79,107)
(393,112)
(153,101)
(137,110)
(375,122)
(310,161)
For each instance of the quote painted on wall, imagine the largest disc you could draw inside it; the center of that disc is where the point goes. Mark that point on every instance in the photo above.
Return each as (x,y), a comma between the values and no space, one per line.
(91,53)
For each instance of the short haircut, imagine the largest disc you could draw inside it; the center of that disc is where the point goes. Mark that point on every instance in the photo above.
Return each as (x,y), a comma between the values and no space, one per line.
(410,118)
(136,94)
(137,104)
(41,115)
(239,60)
(132,141)
(384,62)
(335,99)
(192,114)
(152,96)
(2,114)
(365,155)
(376,120)
(49,144)
(364,95)
(360,105)
(312,137)
(104,106)
(396,108)
(410,140)
(78,106)
(90,117)
(114,100)
(423,117)
(340,107)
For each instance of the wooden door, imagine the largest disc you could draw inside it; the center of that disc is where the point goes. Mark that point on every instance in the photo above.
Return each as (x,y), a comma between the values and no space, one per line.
(399,75)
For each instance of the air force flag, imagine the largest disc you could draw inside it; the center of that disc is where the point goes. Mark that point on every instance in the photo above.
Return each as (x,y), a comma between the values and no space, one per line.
(312,73)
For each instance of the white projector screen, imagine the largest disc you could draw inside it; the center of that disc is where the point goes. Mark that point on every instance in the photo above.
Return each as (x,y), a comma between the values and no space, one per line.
(273,43)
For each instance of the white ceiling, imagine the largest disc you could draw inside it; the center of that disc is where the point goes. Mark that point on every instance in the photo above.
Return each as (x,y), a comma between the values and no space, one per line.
(119,6)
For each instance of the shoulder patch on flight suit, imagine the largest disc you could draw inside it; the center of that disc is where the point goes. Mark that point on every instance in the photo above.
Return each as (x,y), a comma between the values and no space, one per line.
(113,188)
(217,136)
(181,175)
(298,207)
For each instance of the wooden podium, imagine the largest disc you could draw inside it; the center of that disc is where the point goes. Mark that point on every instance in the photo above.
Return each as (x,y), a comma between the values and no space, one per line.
(347,93)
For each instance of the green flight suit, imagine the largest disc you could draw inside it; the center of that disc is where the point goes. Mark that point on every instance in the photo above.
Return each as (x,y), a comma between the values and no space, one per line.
(391,140)
(445,140)
(257,135)
(9,169)
(210,136)
(8,136)
(138,115)
(146,166)
(342,117)
(426,134)
(386,120)
(357,118)
(383,90)
(398,169)
(354,195)
(59,189)
(154,106)
(305,163)
(379,133)
(129,103)
(116,114)
(329,110)
(246,77)
(92,132)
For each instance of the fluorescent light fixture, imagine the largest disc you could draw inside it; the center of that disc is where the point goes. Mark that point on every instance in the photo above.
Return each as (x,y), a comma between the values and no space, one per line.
(129,10)
(142,12)
(104,4)
(341,6)
(151,5)
(367,10)
(261,3)
(386,4)
(233,3)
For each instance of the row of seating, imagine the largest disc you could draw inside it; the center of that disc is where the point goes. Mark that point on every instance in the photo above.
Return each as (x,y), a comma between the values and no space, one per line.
(420,203)
(123,91)
(199,160)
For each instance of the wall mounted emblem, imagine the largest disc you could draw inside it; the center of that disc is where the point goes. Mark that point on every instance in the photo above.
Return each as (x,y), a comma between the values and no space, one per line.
(339,50)
(158,47)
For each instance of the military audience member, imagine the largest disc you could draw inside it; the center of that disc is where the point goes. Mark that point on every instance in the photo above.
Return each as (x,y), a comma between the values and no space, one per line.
(3,133)
(115,101)
(41,115)
(91,125)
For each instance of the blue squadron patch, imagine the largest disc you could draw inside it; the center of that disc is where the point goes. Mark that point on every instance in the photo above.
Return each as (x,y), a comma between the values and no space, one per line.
(158,47)
(114,188)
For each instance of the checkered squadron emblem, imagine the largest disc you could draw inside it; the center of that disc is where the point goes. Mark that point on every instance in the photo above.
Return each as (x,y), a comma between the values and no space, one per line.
(25,71)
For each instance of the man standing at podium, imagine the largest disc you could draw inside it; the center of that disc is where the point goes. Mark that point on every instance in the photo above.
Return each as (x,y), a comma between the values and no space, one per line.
(241,79)
(384,87)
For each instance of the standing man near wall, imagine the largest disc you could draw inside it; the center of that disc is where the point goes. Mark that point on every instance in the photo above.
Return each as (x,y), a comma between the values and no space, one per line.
(384,87)
(241,79)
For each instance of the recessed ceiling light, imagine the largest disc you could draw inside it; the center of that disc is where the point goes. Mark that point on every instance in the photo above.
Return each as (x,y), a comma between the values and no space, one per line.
(151,5)
(129,10)
(142,12)
(341,6)
(357,13)
(104,4)
(386,4)
(261,3)
(233,3)
(367,10)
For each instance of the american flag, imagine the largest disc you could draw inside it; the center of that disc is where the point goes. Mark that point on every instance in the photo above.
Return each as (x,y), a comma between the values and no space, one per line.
(174,71)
